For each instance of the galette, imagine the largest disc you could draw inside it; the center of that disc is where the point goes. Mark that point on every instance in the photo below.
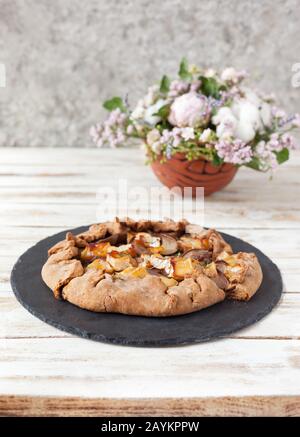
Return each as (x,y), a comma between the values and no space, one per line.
(149,268)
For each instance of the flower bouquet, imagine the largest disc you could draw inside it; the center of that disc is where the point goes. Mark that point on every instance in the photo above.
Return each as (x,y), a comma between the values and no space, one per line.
(200,127)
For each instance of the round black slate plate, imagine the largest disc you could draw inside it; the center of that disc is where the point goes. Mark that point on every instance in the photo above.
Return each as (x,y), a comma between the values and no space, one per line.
(216,321)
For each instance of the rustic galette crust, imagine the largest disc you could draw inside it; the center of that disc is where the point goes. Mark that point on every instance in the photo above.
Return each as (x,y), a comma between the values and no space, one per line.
(94,290)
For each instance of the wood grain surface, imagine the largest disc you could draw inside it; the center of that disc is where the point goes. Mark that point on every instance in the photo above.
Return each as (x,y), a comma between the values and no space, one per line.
(44,371)
(208,407)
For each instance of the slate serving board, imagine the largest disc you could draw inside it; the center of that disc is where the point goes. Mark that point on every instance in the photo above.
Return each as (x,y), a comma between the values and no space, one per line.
(216,321)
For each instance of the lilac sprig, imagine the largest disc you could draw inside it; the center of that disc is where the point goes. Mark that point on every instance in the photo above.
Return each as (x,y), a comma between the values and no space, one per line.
(112,132)
(234,152)
(266,152)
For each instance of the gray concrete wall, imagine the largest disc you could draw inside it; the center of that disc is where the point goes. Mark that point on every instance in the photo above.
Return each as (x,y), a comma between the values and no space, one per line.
(63,57)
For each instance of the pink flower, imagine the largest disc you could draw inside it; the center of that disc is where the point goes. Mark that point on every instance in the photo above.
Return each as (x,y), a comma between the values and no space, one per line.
(274,143)
(177,135)
(234,152)
(278,113)
(189,110)
(178,87)
(130,130)
(195,85)
(112,132)
(289,142)
(94,133)
(267,158)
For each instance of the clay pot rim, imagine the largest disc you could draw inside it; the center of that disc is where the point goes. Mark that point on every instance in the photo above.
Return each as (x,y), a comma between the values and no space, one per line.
(182,157)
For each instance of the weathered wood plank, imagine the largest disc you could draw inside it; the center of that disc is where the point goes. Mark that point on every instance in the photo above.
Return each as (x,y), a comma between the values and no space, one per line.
(75,215)
(275,406)
(77,367)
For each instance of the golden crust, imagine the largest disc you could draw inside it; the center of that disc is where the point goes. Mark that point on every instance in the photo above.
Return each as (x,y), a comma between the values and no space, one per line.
(145,297)
(96,291)
(252,278)
(60,268)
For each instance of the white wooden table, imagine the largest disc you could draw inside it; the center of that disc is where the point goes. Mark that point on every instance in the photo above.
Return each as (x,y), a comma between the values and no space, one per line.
(46,371)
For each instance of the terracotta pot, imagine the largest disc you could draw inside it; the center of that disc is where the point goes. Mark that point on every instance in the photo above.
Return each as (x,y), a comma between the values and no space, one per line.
(179,172)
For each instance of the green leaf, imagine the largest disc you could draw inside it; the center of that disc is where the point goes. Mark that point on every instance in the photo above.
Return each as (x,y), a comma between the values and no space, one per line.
(216,161)
(210,87)
(163,112)
(254,164)
(114,103)
(164,84)
(183,72)
(283,155)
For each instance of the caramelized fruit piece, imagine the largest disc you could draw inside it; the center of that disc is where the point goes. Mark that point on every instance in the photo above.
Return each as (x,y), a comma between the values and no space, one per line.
(187,243)
(100,265)
(211,270)
(148,239)
(156,250)
(229,259)
(122,248)
(205,243)
(133,272)
(235,273)
(231,266)
(159,263)
(94,250)
(146,243)
(183,267)
(169,282)
(190,243)
(120,261)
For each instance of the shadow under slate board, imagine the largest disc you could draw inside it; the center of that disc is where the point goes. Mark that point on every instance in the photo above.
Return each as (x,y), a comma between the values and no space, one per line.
(208,324)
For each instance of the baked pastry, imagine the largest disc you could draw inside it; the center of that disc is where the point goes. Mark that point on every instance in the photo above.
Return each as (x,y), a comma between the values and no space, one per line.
(149,268)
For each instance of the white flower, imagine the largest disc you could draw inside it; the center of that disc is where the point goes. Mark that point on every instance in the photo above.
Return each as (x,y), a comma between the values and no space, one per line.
(224,115)
(241,121)
(210,72)
(224,131)
(250,95)
(156,147)
(187,133)
(149,115)
(232,75)
(151,96)
(229,74)
(248,120)
(153,136)
(206,135)
(189,110)
(226,123)
(265,109)
(246,116)
(138,112)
